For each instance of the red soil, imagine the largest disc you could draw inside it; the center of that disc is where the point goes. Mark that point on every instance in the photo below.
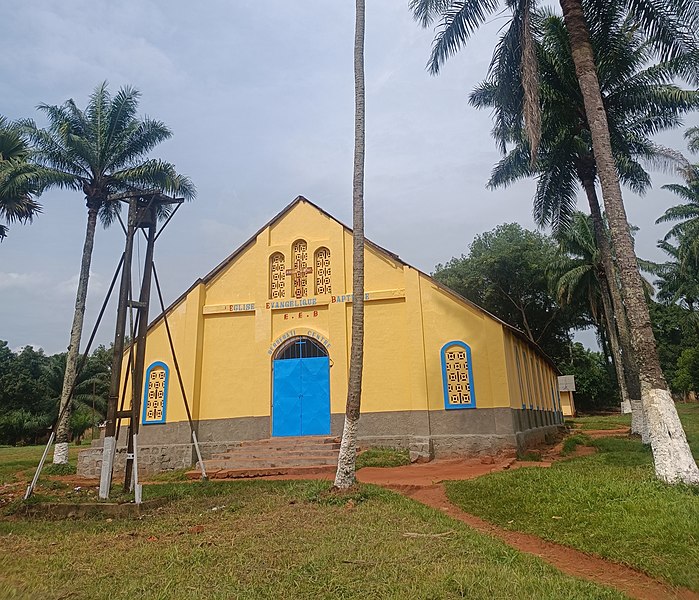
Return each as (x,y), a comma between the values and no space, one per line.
(572,562)
(423,482)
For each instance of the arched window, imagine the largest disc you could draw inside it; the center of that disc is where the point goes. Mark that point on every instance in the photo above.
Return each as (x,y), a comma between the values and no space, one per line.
(277,276)
(301,347)
(457,376)
(155,393)
(299,257)
(322,261)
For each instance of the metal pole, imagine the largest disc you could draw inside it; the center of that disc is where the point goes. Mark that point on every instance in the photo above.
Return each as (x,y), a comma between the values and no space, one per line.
(140,360)
(32,485)
(109,447)
(179,374)
(138,489)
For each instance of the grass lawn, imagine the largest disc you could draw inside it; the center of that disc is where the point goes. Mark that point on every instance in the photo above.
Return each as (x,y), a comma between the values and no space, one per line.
(382,457)
(13,460)
(272,539)
(596,422)
(608,504)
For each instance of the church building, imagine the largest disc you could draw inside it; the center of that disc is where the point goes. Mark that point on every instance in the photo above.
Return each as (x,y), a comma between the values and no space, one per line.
(263,345)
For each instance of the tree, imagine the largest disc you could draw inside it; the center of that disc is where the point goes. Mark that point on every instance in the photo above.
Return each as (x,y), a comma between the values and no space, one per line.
(17,176)
(25,411)
(21,379)
(91,388)
(346,462)
(581,277)
(459,19)
(99,151)
(678,279)
(692,136)
(676,330)
(507,272)
(30,391)
(641,99)
(670,27)
(687,229)
(595,389)
(672,31)
(686,377)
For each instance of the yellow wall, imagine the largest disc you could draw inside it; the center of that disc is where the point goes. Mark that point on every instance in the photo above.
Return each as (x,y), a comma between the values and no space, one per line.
(567,404)
(225,348)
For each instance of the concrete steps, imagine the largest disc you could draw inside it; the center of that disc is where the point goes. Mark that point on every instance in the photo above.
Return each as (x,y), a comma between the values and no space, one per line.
(274,456)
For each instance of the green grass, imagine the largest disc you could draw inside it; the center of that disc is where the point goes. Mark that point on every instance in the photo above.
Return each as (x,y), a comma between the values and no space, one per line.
(383,457)
(166,476)
(608,422)
(573,441)
(608,504)
(529,456)
(272,539)
(14,459)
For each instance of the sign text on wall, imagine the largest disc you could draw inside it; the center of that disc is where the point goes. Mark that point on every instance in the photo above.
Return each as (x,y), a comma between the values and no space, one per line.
(322,300)
(293,333)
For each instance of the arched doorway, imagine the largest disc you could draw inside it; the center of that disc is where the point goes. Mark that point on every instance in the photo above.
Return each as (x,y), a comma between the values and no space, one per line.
(301,389)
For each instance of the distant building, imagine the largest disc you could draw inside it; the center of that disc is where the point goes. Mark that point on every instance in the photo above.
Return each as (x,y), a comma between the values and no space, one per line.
(263,344)
(566,385)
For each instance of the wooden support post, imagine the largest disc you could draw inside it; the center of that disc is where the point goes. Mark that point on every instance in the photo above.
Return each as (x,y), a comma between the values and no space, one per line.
(109,447)
(140,359)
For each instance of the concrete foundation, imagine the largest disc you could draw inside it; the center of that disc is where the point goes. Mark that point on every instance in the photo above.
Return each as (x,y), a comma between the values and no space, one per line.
(427,435)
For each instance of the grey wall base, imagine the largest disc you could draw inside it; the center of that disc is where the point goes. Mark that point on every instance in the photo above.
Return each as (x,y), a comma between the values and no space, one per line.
(427,435)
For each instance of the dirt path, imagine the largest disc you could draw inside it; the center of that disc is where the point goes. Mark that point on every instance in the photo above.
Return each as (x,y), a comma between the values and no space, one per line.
(572,562)
(423,482)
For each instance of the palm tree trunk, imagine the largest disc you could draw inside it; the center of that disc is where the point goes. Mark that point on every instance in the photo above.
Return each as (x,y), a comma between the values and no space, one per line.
(671,453)
(629,383)
(613,338)
(60,451)
(346,462)
(603,342)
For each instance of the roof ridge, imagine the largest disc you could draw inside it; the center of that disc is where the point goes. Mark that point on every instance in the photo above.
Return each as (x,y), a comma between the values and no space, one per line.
(231,257)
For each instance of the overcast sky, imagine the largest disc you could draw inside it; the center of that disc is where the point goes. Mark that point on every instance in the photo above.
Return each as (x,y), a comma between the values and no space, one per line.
(261,102)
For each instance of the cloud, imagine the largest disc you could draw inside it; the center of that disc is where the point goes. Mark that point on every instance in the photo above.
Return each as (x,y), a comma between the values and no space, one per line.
(69,287)
(22,281)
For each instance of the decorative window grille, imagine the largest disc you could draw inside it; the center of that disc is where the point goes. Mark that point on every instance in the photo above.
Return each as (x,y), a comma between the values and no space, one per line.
(322,260)
(299,252)
(277,276)
(457,376)
(155,393)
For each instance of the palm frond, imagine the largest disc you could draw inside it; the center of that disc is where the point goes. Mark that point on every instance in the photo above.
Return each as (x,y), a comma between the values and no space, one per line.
(458,20)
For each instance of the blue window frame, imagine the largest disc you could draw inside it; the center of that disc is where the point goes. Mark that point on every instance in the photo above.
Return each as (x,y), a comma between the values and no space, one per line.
(155,393)
(457,376)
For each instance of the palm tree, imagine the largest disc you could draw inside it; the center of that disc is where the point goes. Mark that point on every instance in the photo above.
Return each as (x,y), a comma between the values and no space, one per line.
(640,100)
(692,136)
(17,174)
(459,19)
(579,276)
(346,462)
(98,151)
(671,28)
(673,32)
(687,214)
(678,279)
(91,387)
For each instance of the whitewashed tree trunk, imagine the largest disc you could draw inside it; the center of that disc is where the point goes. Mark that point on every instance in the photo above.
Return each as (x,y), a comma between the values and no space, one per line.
(346,460)
(672,456)
(346,463)
(60,453)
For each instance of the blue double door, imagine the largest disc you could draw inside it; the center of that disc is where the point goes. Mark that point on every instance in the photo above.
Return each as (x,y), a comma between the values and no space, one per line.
(301,397)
